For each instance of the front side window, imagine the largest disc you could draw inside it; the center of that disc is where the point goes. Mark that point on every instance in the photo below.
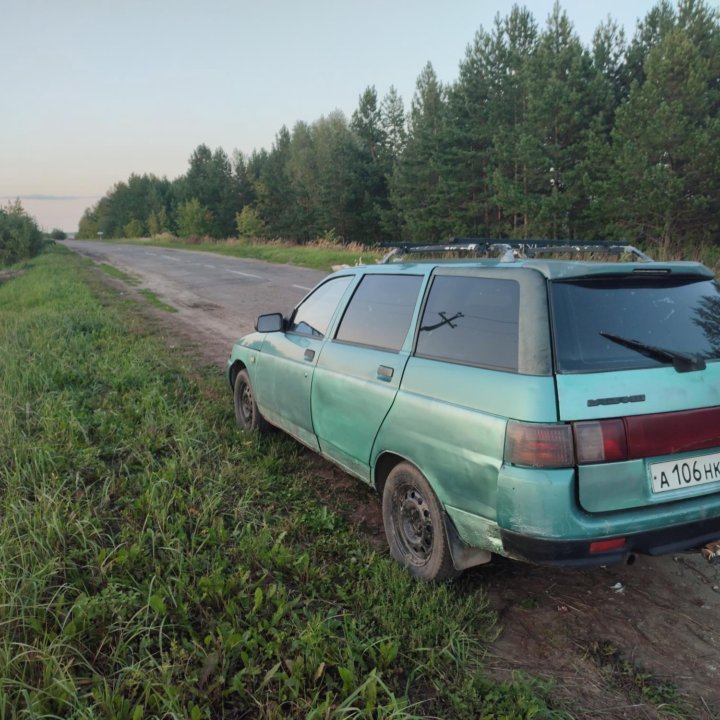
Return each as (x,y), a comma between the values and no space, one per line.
(380,311)
(314,314)
(471,321)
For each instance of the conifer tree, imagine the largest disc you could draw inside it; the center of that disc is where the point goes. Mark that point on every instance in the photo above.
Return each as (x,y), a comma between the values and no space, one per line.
(560,111)
(275,194)
(666,142)
(465,151)
(516,153)
(394,133)
(372,167)
(417,184)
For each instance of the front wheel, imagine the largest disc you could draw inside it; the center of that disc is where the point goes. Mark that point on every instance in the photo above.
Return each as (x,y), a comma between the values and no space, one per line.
(414,525)
(247,415)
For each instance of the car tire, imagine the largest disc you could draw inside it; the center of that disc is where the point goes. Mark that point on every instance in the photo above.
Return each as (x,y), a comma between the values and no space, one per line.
(413,520)
(247,415)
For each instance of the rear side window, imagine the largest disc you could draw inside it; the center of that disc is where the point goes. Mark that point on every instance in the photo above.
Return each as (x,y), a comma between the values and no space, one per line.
(674,315)
(471,321)
(380,311)
(314,314)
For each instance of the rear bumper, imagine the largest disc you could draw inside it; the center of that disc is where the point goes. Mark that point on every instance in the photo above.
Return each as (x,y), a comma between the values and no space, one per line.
(662,541)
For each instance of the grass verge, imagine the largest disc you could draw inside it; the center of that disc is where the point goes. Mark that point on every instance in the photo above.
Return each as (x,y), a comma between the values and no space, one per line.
(112,271)
(155,562)
(133,281)
(155,301)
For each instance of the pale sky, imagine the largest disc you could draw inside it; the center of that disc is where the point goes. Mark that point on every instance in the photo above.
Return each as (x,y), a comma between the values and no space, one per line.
(94,90)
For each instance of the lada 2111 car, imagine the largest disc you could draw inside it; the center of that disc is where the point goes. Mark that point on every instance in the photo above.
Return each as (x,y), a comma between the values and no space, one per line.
(552,411)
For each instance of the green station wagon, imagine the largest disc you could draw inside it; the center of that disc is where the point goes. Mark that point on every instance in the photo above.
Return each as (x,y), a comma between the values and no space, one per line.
(552,411)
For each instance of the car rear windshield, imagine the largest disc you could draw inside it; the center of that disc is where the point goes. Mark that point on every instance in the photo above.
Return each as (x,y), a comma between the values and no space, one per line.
(624,323)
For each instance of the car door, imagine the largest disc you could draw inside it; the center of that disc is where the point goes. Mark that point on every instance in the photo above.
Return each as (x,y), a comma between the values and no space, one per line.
(359,370)
(285,366)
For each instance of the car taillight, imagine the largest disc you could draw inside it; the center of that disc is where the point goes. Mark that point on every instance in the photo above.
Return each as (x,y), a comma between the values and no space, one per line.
(539,444)
(666,433)
(598,441)
(614,440)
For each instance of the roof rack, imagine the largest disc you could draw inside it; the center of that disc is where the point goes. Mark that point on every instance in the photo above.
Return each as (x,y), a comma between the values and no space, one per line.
(510,250)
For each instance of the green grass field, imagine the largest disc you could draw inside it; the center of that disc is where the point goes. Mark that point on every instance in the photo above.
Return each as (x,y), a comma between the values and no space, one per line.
(155,562)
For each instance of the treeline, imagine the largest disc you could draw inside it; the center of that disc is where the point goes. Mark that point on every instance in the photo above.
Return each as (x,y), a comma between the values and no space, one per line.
(539,136)
(20,236)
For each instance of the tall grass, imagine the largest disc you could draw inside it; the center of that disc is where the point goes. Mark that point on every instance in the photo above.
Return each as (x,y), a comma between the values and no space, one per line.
(155,562)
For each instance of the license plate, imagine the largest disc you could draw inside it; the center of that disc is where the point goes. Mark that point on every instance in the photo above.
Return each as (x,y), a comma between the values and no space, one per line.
(692,471)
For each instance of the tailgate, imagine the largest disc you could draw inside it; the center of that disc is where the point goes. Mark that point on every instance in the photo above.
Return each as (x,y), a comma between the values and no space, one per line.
(672,427)
(587,396)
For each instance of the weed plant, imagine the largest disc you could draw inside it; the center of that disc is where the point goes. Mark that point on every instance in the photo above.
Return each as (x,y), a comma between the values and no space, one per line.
(119,274)
(156,562)
(154,300)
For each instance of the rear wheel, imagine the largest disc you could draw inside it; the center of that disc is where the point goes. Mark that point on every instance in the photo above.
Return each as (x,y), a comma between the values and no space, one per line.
(414,527)
(247,415)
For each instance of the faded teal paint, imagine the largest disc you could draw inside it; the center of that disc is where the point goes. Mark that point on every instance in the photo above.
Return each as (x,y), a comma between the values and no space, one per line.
(665,390)
(254,341)
(350,400)
(505,394)
(475,530)
(541,503)
(630,485)
(623,488)
(459,450)
(537,502)
(282,383)
(242,350)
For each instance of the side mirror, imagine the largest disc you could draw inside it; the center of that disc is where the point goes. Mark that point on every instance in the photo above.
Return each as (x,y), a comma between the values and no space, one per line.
(272,322)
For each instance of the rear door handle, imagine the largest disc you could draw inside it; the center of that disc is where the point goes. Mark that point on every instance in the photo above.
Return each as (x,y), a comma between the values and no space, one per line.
(309,354)
(385,373)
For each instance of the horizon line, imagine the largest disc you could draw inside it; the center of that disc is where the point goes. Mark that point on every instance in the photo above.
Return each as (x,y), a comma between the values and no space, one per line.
(49,197)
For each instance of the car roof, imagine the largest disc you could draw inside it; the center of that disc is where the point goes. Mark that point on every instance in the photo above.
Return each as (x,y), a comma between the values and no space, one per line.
(551,269)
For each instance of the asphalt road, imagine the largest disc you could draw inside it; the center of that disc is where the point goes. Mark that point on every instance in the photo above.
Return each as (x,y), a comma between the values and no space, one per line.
(233,282)
(218,298)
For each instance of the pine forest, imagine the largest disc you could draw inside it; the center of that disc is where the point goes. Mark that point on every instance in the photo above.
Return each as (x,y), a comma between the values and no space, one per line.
(539,136)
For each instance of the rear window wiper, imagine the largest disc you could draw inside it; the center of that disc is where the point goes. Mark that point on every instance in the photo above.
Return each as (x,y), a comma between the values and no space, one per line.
(682,362)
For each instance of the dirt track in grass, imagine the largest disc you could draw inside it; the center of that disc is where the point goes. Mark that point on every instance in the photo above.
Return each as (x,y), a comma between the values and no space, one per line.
(639,641)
